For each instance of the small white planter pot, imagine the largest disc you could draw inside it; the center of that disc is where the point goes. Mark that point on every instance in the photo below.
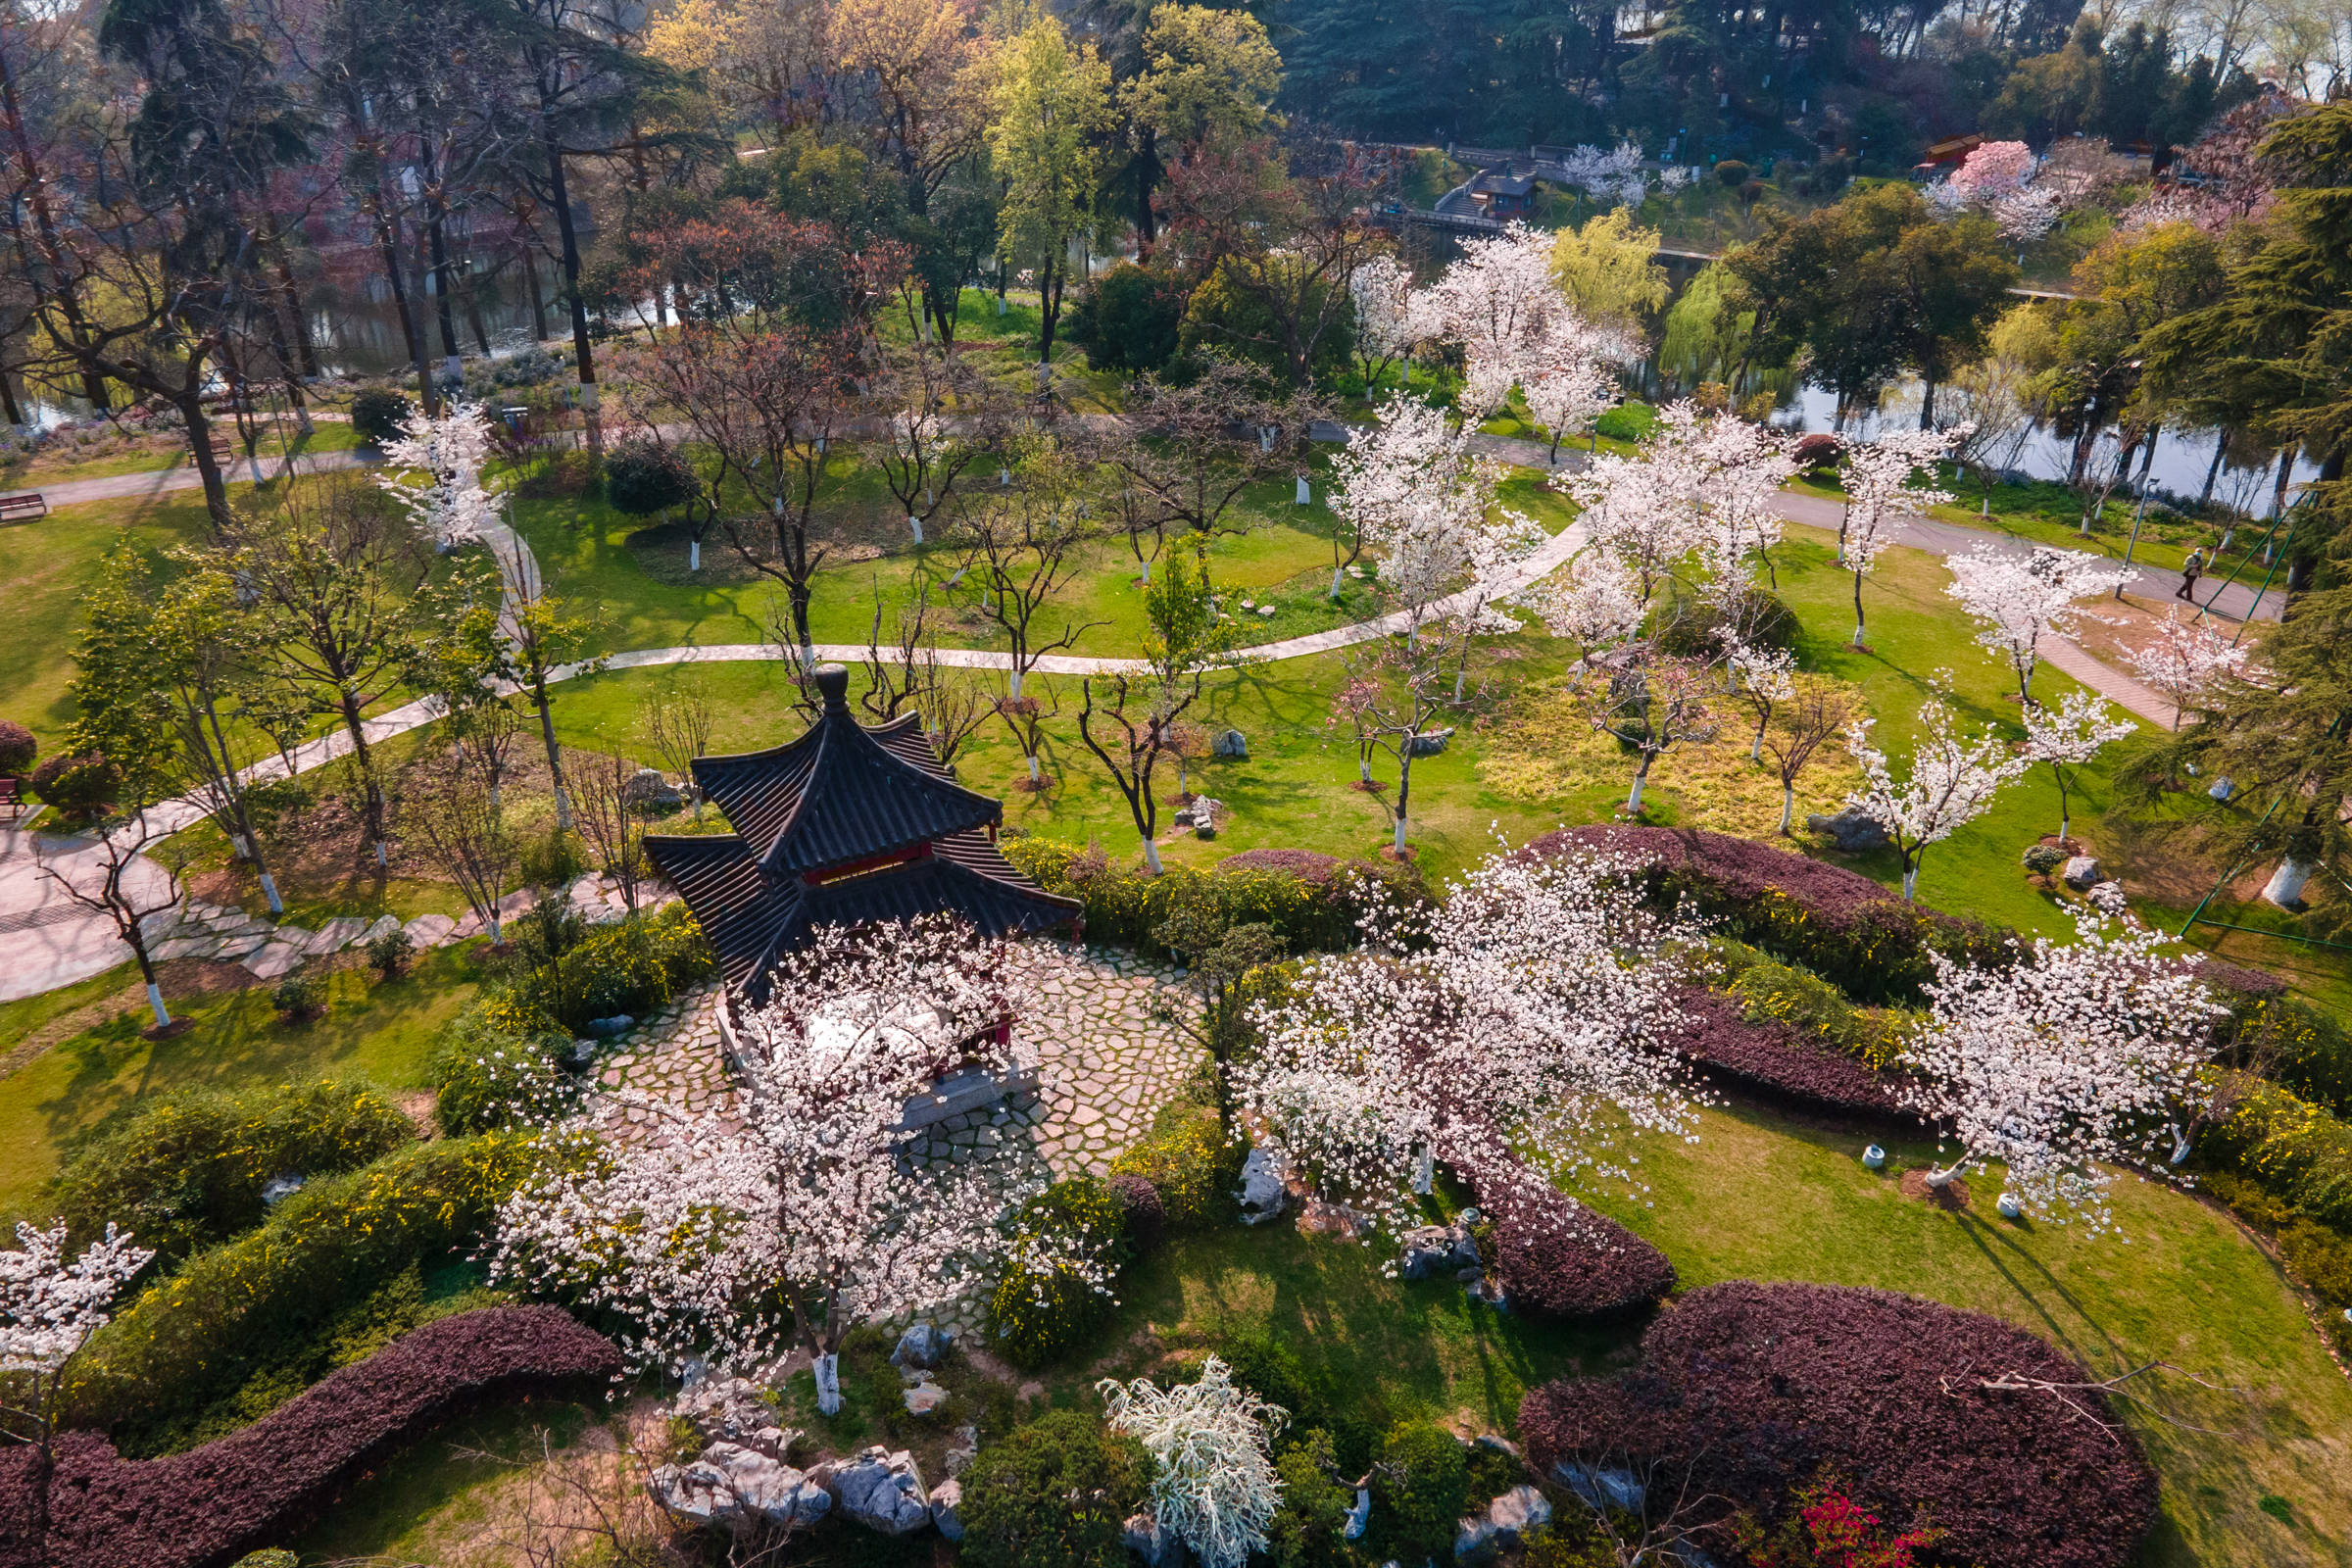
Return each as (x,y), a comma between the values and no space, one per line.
(2010,1208)
(1873,1159)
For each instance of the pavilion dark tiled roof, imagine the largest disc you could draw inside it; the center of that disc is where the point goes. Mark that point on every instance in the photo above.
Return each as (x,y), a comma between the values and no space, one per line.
(843,826)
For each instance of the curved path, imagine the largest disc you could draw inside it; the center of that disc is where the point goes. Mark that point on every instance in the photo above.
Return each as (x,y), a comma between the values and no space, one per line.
(59,943)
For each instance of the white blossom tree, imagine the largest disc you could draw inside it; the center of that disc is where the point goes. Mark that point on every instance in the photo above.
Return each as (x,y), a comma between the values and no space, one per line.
(1568,378)
(1518,1032)
(1213,1476)
(1609,178)
(1880,492)
(2186,660)
(1952,780)
(2069,735)
(1595,601)
(2018,599)
(1648,510)
(789,1216)
(2074,1056)
(49,1308)
(1763,678)
(1743,467)
(448,450)
(1387,328)
(1494,301)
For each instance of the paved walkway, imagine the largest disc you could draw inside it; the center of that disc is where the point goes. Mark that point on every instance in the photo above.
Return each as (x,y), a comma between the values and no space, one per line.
(146,486)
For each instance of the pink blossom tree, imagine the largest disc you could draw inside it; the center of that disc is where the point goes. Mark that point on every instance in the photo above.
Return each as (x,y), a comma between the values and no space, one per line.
(1387,328)
(1994,169)
(2020,599)
(1881,491)
(49,1308)
(2069,735)
(789,1216)
(2073,1057)
(2186,659)
(1520,1033)
(1952,782)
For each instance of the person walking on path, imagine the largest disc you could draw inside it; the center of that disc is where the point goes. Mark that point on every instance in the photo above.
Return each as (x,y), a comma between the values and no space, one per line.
(2190,571)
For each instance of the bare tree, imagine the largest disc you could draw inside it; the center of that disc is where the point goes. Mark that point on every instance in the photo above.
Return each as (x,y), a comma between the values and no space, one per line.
(1392,696)
(676,721)
(1818,710)
(1195,450)
(939,418)
(1652,703)
(450,807)
(117,880)
(611,822)
(1141,739)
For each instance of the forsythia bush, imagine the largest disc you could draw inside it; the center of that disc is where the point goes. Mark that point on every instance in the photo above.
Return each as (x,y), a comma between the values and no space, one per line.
(1053,1290)
(2298,1150)
(1191,1164)
(1770,992)
(489,1073)
(629,966)
(1313,912)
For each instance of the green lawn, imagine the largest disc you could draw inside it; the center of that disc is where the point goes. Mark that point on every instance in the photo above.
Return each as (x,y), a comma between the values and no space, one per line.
(380,1032)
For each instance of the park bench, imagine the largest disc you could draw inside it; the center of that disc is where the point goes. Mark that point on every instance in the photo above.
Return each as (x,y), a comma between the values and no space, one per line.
(12,799)
(18,508)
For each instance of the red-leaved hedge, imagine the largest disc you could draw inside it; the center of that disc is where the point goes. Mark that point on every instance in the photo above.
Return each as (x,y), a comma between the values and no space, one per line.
(1754,1389)
(210,1507)
(1839,923)
(1770,1060)
(1555,1259)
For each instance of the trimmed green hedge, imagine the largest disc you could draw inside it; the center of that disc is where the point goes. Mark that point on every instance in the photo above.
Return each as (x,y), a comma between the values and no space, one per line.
(1128,908)
(631,967)
(198,1333)
(2318,1256)
(186,1171)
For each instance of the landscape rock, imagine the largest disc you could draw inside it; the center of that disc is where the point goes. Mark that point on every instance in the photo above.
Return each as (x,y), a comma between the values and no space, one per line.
(1261,1191)
(924,1398)
(883,1492)
(648,790)
(1600,1486)
(1850,830)
(733,1488)
(2081,873)
(728,1408)
(1434,1249)
(961,1452)
(605,1028)
(2221,789)
(946,1499)
(1319,1218)
(921,1344)
(1155,1547)
(1231,743)
(1505,1523)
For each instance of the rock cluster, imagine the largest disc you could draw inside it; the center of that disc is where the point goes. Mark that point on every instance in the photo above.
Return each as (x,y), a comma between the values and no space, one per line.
(1435,1250)
(1263,1194)
(1850,831)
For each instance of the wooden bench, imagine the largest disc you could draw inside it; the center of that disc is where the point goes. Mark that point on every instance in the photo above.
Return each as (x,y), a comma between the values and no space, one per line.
(18,508)
(12,799)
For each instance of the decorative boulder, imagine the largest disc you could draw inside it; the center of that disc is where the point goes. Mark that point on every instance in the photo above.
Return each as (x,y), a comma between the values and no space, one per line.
(947,1503)
(921,1346)
(734,1409)
(733,1488)
(1231,743)
(2221,789)
(1505,1523)
(925,1397)
(1850,831)
(605,1028)
(1155,1546)
(648,791)
(1602,1487)
(1430,1250)
(1261,1191)
(2081,873)
(883,1492)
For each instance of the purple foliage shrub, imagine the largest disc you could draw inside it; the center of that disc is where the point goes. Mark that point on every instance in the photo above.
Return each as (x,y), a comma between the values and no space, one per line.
(1775,1062)
(210,1507)
(1757,1390)
(1556,1258)
(17,747)
(1839,923)
(1144,1212)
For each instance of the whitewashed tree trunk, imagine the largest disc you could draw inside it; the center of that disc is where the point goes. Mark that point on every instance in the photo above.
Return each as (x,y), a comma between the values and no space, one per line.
(1036,776)
(1152,856)
(1013,685)
(1949,1175)
(1335,582)
(1633,801)
(1910,882)
(915,524)
(1400,827)
(1307,493)
(496,937)
(1425,1172)
(277,905)
(828,1384)
(155,999)
(694,554)
(2285,886)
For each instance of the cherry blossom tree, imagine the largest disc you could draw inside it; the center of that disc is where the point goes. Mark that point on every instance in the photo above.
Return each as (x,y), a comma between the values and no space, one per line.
(49,1309)
(1763,678)
(2071,1057)
(448,450)
(1952,780)
(1595,601)
(1518,1032)
(1993,169)
(789,1216)
(1387,328)
(2069,735)
(1567,377)
(1646,509)
(1494,301)
(1213,1482)
(1743,467)
(2018,599)
(1651,704)
(1879,493)
(2186,660)
(1613,177)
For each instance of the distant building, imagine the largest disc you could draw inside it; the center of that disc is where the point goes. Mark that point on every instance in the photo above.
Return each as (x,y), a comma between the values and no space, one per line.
(1501,194)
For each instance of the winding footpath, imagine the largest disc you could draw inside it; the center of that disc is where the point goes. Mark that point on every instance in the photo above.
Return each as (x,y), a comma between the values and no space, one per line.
(51,941)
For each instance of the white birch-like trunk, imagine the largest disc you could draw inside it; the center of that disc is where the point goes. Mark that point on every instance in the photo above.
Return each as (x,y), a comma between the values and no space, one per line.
(277,905)
(694,554)
(2285,886)
(828,1384)
(1152,856)
(155,1001)
(915,524)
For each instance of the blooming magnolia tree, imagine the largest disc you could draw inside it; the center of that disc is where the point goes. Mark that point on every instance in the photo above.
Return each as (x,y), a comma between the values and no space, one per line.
(447,451)
(1952,781)
(1213,1482)
(1880,492)
(788,1218)
(49,1308)
(2018,599)
(2075,1055)
(2186,660)
(2069,735)
(1516,1033)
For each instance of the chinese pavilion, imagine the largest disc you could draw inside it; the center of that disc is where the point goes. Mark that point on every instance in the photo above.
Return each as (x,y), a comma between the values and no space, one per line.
(843,826)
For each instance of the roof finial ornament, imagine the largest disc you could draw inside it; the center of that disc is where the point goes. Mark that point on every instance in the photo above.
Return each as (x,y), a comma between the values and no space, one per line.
(833,684)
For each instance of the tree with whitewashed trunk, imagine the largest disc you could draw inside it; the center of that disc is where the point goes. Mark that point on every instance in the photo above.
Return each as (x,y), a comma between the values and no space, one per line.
(1880,492)
(1952,782)
(49,1308)
(2186,659)
(1494,299)
(1816,710)
(2070,1059)
(112,876)
(1213,1483)
(1521,1032)
(1395,690)
(789,1216)
(448,452)
(2018,599)
(1741,468)
(1651,704)
(2068,735)
(1763,678)
(1387,328)
(1569,379)
(1646,510)
(1594,601)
